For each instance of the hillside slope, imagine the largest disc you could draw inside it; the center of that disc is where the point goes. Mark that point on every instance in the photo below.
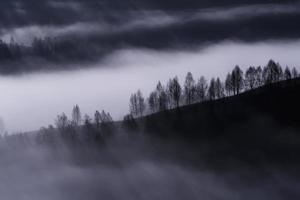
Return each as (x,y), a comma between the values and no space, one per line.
(278,104)
(262,125)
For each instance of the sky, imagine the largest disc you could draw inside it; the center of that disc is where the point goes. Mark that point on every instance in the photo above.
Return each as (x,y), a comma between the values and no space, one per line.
(108,49)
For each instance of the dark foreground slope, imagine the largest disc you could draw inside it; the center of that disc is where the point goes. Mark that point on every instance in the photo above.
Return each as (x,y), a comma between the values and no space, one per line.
(262,125)
(278,104)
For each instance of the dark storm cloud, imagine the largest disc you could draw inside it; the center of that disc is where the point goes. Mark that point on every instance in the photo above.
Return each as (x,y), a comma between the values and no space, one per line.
(89,30)
(50,12)
(149,28)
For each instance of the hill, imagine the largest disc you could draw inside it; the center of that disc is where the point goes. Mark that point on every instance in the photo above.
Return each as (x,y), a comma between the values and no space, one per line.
(262,125)
(276,103)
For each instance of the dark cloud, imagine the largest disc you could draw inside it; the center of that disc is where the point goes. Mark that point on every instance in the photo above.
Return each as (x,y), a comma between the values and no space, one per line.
(89,30)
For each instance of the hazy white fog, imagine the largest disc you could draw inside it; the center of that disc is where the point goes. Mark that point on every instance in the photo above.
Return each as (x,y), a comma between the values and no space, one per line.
(31,101)
(130,171)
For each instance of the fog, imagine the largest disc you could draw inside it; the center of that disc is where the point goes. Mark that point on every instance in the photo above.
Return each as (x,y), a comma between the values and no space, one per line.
(30,101)
(131,169)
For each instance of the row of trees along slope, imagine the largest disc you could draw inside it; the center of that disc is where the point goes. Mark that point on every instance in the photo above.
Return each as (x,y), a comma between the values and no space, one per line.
(173,95)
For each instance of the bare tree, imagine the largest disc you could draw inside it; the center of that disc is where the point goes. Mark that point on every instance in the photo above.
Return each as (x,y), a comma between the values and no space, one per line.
(153,102)
(162,97)
(87,122)
(141,103)
(189,88)
(219,89)
(258,77)
(133,105)
(250,78)
(76,116)
(105,117)
(62,121)
(137,104)
(287,73)
(237,80)
(272,72)
(97,118)
(201,89)
(294,73)
(211,89)
(174,90)
(228,85)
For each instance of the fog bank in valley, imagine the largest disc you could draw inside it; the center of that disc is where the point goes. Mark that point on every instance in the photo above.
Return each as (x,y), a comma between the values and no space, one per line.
(30,101)
(132,170)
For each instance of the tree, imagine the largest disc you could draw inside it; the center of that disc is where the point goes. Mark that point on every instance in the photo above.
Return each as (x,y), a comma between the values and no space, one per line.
(133,105)
(105,117)
(219,89)
(62,122)
(174,90)
(228,85)
(237,80)
(272,72)
(201,89)
(76,116)
(137,104)
(97,118)
(258,77)
(141,103)
(189,88)
(211,89)
(287,73)
(153,102)
(87,122)
(106,122)
(294,73)
(250,78)
(162,97)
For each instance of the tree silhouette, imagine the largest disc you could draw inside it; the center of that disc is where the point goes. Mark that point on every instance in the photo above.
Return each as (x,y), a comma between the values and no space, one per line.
(272,73)
(219,89)
(153,102)
(287,73)
(76,116)
(174,90)
(137,104)
(250,78)
(229,85)
(97,118)
(62,122)
(162,97)
(141,103)
(134,110)
(87,122)
(258,77)
(294,73)
(189,88)
(201,89)
(235,83)
(211,89)
(237,80)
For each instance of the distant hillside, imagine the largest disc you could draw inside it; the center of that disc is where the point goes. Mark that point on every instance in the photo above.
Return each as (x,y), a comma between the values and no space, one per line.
(262,124)
(277,103)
